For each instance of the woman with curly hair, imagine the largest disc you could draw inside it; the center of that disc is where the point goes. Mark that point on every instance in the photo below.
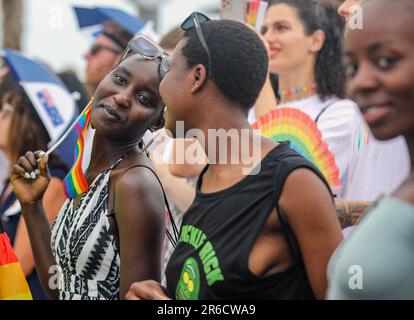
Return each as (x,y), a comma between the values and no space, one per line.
(304,45)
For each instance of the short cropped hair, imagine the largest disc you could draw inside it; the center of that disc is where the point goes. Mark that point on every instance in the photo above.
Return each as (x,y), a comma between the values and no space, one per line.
(239,59)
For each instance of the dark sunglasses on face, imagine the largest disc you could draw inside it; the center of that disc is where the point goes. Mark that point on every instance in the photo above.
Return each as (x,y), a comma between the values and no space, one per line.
(94,50)
(146,48)
(195,20)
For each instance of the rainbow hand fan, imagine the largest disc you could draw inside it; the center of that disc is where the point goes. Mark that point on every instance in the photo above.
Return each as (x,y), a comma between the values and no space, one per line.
(295,126)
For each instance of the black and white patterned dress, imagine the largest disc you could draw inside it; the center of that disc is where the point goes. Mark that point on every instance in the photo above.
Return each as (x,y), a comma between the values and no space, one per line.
(85,248)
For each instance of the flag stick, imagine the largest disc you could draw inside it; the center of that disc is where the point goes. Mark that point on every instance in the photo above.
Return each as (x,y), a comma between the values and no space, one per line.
(68,131)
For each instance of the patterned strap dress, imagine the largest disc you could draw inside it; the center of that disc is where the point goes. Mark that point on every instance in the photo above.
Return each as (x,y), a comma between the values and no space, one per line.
(84,246)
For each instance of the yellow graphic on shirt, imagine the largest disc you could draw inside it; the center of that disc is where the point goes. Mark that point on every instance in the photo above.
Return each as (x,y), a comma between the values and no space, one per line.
(188,287)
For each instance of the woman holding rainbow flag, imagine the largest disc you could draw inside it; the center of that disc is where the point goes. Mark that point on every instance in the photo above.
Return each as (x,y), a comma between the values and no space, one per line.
(118,203)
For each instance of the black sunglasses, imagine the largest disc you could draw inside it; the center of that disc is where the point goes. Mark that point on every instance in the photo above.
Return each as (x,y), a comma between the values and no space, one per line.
(94,50)
(195,20)
(146,48)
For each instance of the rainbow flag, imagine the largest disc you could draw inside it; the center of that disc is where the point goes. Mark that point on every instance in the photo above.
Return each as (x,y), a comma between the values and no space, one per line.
(13,284)
(75,182)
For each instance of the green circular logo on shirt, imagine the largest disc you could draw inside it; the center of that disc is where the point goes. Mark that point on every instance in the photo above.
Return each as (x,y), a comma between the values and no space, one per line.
(188,287)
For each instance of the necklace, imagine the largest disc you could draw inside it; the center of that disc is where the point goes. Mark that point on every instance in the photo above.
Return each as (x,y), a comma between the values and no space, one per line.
(297,92)
(77,201)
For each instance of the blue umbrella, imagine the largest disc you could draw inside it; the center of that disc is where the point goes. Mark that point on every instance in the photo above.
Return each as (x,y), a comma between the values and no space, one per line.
(50,98)
(91,20)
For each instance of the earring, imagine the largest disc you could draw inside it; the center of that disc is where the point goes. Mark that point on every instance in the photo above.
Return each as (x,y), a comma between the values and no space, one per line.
(141,145)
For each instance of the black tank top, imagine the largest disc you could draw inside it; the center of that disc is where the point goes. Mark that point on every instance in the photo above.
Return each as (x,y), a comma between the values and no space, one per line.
(219,230)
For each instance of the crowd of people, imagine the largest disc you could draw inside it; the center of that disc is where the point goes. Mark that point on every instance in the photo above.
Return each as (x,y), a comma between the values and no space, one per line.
(153,224)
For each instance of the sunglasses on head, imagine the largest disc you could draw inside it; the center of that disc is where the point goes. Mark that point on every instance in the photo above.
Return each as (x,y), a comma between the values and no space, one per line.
(94,50)
(195,20)
(146,48)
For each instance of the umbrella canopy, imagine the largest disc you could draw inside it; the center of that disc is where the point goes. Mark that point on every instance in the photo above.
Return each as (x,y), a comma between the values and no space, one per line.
(90,20)
(50,98)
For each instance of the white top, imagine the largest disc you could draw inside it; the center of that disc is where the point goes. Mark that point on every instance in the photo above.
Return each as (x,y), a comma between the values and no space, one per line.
(367,167)
(377,167)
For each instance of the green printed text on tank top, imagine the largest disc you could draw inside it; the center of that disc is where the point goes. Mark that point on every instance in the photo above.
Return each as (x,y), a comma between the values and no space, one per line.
(192,235)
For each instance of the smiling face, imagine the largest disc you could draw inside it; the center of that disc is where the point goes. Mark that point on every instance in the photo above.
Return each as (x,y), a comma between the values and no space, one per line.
(290,48)
(379,65)
(127,101)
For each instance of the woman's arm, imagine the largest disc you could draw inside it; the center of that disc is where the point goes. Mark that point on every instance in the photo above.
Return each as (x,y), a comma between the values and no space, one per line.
(172,175)
(181,148)
(52,202)
(139,210)
(177,189)
(30,193)
(311,213)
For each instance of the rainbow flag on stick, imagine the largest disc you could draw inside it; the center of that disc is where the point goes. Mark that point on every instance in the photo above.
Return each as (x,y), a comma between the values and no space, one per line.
(13,284)
(75,182)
